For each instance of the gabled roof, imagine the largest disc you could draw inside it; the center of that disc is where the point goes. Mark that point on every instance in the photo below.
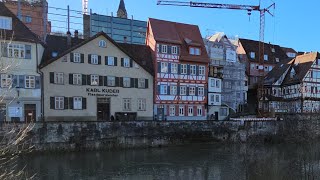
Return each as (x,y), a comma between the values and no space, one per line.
(289,50)
(59,44)
(253,46)
(184,35)
(19,31)
(274,75)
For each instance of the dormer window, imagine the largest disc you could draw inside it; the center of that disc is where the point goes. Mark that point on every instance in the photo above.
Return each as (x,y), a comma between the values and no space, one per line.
(265,57)
(164,49)
(291,55)
(292,73)
(252,55)
(194,51)
(5,23)
(102,43)
(273,50)
(277,60)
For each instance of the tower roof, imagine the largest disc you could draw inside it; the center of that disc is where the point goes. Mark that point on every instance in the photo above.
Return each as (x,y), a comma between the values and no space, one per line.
(122,8)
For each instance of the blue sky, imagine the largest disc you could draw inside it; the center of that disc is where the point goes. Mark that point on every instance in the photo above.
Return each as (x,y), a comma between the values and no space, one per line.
(296,24)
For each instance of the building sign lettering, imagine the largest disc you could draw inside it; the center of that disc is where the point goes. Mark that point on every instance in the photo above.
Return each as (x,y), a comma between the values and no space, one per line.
(102,92)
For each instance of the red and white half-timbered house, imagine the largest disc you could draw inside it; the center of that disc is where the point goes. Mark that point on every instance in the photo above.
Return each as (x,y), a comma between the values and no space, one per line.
(181,64)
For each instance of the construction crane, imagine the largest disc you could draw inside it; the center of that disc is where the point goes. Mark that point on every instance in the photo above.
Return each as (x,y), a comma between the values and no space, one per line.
(249,9)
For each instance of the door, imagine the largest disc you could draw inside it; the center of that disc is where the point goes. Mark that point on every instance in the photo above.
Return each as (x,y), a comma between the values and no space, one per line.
(216,116)
(30,112)
(103,109)
(160,113)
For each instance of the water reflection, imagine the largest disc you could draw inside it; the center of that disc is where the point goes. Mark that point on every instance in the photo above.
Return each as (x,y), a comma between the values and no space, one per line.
(198,161)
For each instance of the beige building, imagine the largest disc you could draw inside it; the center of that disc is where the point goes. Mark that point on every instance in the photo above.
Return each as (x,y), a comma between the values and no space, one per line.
(95,79)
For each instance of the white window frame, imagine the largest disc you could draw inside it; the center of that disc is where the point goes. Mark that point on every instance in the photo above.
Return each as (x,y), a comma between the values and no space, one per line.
(217,98)
(222,110)
(6,80)
(94,80)
(190,110)
(252,55)
(172,110)
(199,110)
(200,91)
(218,83)
(174,68)
(141,83)
(30,82)
(181,111)
(111,61)
(202,70)
(193,69)
(183,90)
(58,102)
(76,57)
(77,102)
(94,59)
(265,57)
(163,89)
(277,60)
(183,68)
(5,23)
(164,49)
(174,49)
(126,62)
(164,67)
(16,50)
(141,104)
(77,79)
(173,90)
(197,51)
(111,80)
(192,91)
(28,19)
(59,78)
(213,83)
(126,102)
(102,43)
(126,82)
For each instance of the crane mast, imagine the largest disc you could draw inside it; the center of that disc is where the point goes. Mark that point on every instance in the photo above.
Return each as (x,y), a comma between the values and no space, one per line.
(249,9)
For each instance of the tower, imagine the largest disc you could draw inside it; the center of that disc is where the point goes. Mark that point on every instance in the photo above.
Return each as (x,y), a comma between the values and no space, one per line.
(122,12)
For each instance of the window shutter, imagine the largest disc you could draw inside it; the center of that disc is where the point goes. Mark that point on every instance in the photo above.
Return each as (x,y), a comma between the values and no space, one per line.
(52,77)
(136,83)
(71,57)
(169,49)
(179,68)
(4,49)
(70,78)
(132,82)
(205,92)
(66,103)
(89,58)
(187,91)
(121,81)
(37,85)
(99,59)
(159,90)
(178,50)
(105,80)
(14,81)
(82,58)
(106,60)
(177,110)
(70,102)
(84,79)
(178,90)
(188,69)
(21,81)
(122,62)
(100,80)
(115,61)
(131,63)
(169,67)
(147,84)
(168,90)
(89,79)
(84,103)
(117,81)
(195,111)
(160,48)
(196,91)
(52,103)
(28,51)
(159,67)
(197,70)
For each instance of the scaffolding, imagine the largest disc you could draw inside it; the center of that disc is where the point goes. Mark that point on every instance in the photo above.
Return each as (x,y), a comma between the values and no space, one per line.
(224,59)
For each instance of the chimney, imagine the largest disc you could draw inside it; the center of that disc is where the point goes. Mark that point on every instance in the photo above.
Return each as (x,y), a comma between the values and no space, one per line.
(76,34)
(125,39)
(68,39)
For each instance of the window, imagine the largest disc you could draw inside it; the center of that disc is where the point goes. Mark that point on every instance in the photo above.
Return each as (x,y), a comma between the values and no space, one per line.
(200,91)
(193,70)
(163,89)
(164,67)
(157,47)
(16,50)
(252,55)
(141,104)
(6,80)
(111,81)
(199,110)
(173,90)
(172,111)
(192,91)
(273,50)
(217,98)
(94,59)
(202,70)
(77,79)
(277,60)
(265,57)
(59,102)
(174,68)
(110,61)
(126,62)
(77,102)
(194,51)
(30,81)
(58,78)
(76,57)
(126,82)
(5,23)
(183,69)
(28,19)
(174,50)
(190,110)
(213,83)
(127,104)
(224,111)
(218,82)
(291,55)
(102,43)
(94,80)
(141,83)
(181,110)
(164,49)
(183,90)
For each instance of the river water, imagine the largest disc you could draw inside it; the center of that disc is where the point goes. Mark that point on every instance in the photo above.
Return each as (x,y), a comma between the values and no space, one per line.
(188,162)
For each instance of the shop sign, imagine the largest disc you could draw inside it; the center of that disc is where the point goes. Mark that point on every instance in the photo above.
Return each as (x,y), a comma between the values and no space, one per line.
(102,92)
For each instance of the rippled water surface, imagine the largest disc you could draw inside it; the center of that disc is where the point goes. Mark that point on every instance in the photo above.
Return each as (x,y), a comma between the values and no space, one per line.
(197,161)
